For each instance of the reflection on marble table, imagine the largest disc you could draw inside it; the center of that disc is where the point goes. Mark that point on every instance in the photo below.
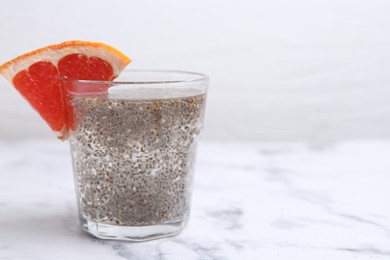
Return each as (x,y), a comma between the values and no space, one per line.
(251,201)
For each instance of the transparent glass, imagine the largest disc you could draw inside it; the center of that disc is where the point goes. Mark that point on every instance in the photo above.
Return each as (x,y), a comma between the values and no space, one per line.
(133,144)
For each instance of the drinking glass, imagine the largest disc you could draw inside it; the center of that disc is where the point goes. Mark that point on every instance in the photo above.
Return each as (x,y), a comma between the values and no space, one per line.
(133,143)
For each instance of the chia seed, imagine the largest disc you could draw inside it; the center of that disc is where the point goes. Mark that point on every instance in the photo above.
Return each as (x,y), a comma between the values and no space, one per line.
(133,157)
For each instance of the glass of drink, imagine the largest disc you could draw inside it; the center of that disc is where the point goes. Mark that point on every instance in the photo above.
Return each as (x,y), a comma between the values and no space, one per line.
(133,143)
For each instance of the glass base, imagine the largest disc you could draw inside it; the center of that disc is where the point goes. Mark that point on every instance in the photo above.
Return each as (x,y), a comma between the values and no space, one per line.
(132,233)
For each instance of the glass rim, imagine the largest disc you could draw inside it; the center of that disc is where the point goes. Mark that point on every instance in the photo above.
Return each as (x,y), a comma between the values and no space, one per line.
(198,77)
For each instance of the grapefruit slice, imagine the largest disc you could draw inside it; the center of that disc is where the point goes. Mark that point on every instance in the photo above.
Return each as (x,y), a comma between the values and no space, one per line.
(36,75)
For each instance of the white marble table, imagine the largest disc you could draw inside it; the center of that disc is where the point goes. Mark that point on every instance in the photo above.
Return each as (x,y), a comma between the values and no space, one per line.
(270,201)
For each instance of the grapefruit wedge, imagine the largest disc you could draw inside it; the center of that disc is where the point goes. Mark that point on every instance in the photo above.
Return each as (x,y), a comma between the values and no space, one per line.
(36,75)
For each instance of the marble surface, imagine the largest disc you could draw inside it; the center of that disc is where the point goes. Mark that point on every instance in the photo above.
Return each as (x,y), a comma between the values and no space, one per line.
(251,201)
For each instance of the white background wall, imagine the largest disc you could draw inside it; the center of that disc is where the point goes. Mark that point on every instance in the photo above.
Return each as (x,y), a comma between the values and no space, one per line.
(281,70)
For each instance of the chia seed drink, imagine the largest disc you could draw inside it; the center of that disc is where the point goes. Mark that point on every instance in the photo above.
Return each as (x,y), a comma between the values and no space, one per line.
(133,155)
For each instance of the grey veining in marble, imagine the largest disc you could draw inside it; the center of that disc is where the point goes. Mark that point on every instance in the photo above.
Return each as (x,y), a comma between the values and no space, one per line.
(269,201)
